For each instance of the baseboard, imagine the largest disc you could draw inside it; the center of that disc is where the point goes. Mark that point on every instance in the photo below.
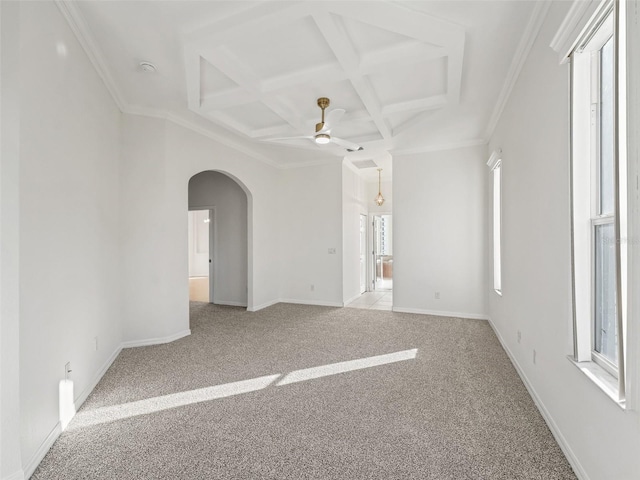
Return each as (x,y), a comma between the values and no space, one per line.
(320,303)
(37,457)
(156,341)
(352,299)
(80,399)
(555,431)
(263,305)
(19,475)
(231,303)
(439,313)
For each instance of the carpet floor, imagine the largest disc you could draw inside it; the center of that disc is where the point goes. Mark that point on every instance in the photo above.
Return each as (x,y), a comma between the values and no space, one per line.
(305,392)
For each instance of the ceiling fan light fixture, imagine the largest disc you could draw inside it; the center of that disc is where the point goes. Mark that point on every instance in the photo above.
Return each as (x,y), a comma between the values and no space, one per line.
(322,139)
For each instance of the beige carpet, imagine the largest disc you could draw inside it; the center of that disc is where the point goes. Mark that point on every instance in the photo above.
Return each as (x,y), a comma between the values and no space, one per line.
(300,392)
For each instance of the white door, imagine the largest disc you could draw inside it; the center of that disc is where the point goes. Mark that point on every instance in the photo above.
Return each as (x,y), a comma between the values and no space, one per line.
(200,260)
(363,253)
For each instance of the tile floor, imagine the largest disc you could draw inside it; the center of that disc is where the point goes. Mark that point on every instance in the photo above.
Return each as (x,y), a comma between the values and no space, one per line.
(379,300)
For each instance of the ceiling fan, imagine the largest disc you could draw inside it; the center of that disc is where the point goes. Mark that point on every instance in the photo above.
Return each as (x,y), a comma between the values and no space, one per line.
(323,129)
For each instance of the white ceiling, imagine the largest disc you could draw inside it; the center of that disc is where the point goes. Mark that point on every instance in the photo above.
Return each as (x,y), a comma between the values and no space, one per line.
(411,75)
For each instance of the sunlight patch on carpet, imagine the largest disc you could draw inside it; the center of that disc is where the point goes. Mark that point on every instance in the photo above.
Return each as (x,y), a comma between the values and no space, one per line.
(157,404)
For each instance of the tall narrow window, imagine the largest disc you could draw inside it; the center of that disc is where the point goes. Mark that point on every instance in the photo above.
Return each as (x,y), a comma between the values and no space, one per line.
(598,203)
(495,163)
(605,337)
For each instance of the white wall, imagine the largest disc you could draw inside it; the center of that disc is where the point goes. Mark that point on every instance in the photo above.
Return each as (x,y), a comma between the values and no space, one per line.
(354,203)
(311,224)
(69,222)
(10,454)
(438,229)
(214,189)
(159,158)
(601,440)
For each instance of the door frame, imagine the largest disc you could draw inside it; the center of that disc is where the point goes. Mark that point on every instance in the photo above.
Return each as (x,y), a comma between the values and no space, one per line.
(213,246)
(371,265)
(366,252)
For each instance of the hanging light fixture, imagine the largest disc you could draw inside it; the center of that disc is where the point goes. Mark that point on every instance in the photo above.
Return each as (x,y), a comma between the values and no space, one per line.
(379,198)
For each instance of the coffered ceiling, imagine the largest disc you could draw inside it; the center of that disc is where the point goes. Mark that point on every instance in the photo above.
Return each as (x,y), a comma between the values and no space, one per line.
(411,75)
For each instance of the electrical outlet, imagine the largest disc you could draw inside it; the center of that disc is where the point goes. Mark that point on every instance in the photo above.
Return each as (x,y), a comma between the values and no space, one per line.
(519,336)
(332,250)
(437,295)
(534,356)
(67,370)
(313,288)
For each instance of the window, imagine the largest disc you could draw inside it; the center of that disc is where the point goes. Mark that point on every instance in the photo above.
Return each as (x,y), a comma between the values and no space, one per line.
(598,203)
(495,163)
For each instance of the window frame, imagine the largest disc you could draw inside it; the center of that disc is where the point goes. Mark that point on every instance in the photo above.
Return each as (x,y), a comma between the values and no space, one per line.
(603,26)
(495,165)
(604,33)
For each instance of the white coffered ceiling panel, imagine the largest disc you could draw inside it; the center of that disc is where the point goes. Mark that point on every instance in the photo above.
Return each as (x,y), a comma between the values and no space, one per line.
(410,74)
(373,62)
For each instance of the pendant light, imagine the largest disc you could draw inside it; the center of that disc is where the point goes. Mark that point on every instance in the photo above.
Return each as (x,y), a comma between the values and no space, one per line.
(379,198)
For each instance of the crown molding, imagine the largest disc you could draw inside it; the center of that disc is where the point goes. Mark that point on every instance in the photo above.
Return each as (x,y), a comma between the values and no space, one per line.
(531,31)
(474,142)
(182,122)
(79,27)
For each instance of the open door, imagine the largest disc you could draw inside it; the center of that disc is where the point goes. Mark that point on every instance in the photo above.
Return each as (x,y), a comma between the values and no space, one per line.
(200,256)
(363,253)
(382,258)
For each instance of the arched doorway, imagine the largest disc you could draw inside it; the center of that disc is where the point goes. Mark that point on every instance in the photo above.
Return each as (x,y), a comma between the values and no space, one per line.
(218,239)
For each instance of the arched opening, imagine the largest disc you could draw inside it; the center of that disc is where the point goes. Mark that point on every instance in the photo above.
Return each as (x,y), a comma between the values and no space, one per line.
(219,239)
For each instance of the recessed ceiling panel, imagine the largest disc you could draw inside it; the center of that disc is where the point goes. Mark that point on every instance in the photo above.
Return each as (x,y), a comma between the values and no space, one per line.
(355,129)
(213,80)
(366,38)
(299,46)
(253,116)
(411,82)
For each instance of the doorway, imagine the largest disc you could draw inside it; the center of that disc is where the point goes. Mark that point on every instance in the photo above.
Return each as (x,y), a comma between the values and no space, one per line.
(382,253)
(363,253)
(201,235)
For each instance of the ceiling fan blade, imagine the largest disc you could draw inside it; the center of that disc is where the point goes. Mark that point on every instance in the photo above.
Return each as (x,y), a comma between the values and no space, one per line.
(346,144)
(332,119)
(308,137)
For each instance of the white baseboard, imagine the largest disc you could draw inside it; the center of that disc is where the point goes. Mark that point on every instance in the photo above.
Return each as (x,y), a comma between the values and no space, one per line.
(320,303)
(231,303)
(19,475)
(156,341)
(355,297)
(44,447)
(262,305)
(557,434)
(439,313)
(80,399)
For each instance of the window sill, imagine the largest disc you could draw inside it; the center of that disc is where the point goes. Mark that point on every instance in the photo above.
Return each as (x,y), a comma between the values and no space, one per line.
(603,379)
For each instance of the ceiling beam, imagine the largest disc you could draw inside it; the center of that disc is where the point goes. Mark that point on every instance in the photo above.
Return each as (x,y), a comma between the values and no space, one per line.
(242,75)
